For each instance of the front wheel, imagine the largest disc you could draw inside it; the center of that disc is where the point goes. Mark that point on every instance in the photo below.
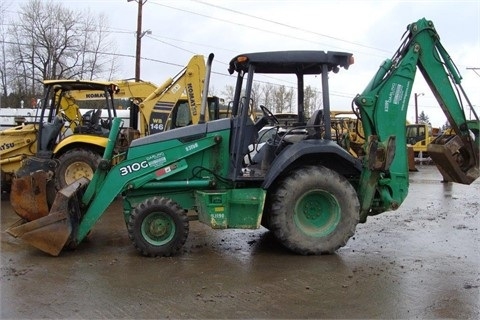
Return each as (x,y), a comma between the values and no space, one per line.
(75,164)
(314,210)
(158,227)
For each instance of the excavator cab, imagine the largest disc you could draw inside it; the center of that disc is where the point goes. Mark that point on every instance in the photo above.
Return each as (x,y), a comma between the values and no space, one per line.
(181,115)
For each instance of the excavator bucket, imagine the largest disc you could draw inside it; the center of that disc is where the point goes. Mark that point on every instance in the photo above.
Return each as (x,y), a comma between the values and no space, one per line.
(52,232)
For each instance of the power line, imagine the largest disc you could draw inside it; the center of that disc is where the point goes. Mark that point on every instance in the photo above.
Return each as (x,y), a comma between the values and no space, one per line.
(288,26)
(474,70)
(255,28)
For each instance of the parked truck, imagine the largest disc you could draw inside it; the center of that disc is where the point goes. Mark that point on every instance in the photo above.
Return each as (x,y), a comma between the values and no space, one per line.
(309,192)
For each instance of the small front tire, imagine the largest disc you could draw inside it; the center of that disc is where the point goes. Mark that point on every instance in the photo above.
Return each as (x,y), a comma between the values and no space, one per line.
(158,227)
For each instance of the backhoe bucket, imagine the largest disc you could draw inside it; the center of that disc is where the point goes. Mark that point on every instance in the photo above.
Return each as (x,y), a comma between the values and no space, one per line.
(56,230)
(446,158)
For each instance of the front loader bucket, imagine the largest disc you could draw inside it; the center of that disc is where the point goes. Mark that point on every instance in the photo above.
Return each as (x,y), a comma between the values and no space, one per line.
(54,231)
(28,195)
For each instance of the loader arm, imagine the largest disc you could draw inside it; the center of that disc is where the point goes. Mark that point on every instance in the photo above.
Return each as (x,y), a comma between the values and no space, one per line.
(133,173)
(78,207)
(383,108)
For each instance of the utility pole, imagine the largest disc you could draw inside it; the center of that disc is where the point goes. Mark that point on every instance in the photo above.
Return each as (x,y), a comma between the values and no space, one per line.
(139,36)
(416,95)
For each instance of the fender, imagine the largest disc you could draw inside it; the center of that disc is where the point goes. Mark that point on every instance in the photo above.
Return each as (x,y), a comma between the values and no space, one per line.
(300,151)
(84,139)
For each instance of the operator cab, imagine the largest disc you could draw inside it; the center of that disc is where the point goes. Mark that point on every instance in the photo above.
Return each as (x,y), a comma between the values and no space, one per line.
(245,131)
(60,113)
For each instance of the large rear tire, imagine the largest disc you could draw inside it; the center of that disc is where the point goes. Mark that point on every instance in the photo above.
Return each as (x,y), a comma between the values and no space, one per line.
(158,227)
(314,210)
(74,164)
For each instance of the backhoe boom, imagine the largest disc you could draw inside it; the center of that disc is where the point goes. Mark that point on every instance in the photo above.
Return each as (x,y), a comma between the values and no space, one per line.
(383,108)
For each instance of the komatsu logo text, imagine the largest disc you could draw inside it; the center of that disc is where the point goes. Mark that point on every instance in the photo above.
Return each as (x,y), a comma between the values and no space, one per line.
(191,99)
(94,95)
(7,146)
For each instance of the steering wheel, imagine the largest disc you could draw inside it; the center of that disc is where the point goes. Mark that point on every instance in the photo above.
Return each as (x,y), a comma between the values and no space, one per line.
(269,115)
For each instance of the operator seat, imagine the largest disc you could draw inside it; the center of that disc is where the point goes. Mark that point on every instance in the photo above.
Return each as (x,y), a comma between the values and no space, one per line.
(50,132)
(92,124)
(314,125)
(95,119)
(314,129)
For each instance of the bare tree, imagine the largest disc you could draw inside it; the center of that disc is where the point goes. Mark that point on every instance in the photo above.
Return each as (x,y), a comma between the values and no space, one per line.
(312,100)
(228,93)
(3,56)
(278,99)
(50,41)
(268,94)
(96,44)
(289,99)
(256,97)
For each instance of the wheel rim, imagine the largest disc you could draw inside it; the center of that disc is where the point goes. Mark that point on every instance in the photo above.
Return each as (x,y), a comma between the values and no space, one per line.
(317,213)
(76,171)
(158,228)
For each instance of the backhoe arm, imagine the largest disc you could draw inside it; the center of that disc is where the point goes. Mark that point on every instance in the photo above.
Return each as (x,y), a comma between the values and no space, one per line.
(156,108)
(383,107)
(70,110)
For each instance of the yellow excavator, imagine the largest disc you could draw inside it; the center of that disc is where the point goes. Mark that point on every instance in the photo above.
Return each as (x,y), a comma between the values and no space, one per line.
(419,136)
(74,143)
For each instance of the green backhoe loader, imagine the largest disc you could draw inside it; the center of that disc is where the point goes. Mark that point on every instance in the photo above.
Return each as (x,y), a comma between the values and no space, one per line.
(306,188)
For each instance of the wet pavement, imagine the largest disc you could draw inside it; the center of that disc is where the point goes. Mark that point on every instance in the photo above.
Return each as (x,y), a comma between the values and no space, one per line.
(421,261)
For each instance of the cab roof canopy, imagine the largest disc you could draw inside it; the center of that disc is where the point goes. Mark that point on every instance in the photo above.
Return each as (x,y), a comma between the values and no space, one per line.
(296,62)
(79,84)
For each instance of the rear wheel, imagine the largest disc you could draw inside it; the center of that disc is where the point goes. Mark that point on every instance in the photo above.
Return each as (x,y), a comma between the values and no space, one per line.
(75,164)
(314,211)
(158,227)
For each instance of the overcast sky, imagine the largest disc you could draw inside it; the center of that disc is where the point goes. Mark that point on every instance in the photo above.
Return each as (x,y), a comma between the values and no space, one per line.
(371,30)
